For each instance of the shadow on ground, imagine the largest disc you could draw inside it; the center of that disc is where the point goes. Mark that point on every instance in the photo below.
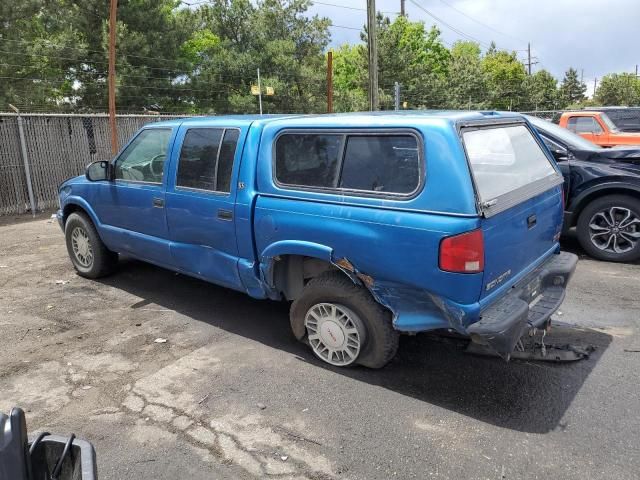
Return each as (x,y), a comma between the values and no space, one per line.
(523,396)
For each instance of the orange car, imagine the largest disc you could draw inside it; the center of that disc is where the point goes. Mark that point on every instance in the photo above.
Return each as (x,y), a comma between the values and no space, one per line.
(598,128)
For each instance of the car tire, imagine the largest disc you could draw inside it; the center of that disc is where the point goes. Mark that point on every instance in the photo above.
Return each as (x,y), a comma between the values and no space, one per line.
(335,303)
(606,233)
(89,255)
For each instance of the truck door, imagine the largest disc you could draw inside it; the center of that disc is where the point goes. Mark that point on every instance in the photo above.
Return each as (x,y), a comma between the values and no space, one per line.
(132,207)
(200,203)
(588,128)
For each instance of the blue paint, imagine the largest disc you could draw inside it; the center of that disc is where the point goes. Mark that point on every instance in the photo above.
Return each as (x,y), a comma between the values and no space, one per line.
(395,242)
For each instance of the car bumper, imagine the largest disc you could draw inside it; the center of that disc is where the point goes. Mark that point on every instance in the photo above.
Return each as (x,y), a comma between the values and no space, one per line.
(60,218)
(530,303)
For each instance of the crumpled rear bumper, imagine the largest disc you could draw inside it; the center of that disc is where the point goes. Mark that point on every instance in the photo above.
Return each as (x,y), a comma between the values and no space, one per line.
(530,303)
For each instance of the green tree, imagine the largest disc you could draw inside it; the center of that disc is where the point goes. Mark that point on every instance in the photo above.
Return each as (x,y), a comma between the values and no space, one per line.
(541,91)
(619,89)
(350,78)
(413,56)
(275,36)
(504,76)
(466,87)
(40,50)
(572,90)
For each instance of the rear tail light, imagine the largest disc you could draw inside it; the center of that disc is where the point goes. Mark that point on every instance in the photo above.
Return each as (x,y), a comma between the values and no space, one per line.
(463,253)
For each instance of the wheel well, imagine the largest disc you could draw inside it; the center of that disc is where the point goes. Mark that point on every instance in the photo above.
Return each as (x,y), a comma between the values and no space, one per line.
(599,194)
(69,209)
(292,272)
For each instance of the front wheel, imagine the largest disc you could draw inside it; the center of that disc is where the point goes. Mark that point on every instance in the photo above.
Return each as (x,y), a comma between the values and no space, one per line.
(89,256)
(343,324)
(609,228)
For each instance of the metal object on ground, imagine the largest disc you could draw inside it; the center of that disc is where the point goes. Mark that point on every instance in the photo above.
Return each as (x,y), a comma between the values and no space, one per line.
(540,352)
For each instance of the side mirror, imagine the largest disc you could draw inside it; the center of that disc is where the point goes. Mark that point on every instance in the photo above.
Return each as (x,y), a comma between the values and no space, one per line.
(98,171)
(559,155)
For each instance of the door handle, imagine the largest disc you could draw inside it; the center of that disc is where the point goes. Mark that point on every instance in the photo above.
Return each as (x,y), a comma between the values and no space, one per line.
(225,214)
(531,221)
(158,202)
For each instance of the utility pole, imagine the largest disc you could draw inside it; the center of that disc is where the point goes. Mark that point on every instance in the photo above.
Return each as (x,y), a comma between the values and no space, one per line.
(112,76)
(595,83)
(582,75)
(530,60)
(330,82)
(259,92)
(373,55)
(402,9)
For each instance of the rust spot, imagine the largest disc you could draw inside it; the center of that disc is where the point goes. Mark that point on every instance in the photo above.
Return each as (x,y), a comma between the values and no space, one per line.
(346,264)
(366,279)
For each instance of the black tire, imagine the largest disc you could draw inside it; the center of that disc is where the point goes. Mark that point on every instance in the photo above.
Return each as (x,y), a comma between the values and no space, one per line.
(380,338)
(603,204)
(102,261)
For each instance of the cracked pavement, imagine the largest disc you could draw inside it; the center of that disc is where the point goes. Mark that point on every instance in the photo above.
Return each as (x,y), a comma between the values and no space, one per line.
(231,394)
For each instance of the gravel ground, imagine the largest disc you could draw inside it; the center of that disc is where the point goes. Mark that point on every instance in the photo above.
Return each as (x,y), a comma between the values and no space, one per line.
(231,394)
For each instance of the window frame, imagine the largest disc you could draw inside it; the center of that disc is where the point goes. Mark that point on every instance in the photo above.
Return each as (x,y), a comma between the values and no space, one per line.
(510,199)
(218,193)
(346,132)
(114,162)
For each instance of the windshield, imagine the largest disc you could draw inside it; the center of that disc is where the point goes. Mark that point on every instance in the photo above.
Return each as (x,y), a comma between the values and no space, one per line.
(608,122)
(572,140)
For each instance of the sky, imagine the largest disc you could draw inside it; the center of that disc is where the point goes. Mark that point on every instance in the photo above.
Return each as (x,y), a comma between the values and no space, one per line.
(593,36)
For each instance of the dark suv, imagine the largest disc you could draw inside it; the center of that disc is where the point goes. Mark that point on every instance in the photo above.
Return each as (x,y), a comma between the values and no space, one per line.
(602,192)
(627,119)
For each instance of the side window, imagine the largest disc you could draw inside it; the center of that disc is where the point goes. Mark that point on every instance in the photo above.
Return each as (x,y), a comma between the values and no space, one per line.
(206,159)
(596,126)
(388,163)
(557,149)
(309,160)
(586,125)
(143,159)
(571,124)
(225,159)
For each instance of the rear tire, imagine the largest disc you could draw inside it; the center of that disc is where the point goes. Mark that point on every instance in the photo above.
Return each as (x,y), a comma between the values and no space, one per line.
(357,328)
(609,228)
(89,255)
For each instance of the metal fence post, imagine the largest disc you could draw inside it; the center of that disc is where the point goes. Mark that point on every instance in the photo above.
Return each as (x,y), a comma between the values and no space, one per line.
(396,94)
(25,159)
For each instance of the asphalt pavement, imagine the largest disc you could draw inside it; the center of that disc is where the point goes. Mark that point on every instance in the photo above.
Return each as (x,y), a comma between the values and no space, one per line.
(174,378)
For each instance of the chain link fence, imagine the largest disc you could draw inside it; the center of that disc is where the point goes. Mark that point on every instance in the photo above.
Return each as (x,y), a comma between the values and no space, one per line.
(56,147)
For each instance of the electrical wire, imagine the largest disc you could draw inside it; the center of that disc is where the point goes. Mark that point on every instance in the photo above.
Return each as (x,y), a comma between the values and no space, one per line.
(58,467)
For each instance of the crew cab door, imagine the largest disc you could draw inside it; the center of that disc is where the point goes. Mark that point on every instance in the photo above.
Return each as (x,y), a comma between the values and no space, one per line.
(201,203)
(519,195)
(131,208)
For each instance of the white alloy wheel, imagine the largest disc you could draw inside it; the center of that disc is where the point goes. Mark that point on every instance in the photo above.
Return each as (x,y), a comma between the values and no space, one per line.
(335,333)
(81,245)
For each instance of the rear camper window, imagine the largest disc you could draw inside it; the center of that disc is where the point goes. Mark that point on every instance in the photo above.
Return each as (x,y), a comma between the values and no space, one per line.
(504,159)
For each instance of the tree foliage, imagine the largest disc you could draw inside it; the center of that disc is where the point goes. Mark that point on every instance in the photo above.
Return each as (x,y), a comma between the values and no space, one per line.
(204,57)
(619,89)
(571,89)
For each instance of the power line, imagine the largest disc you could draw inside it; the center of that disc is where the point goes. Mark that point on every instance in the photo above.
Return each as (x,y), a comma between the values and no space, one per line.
(479,22)
(451,27)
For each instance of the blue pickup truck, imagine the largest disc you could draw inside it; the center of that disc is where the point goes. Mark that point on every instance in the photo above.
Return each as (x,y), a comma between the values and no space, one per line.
(371,225)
